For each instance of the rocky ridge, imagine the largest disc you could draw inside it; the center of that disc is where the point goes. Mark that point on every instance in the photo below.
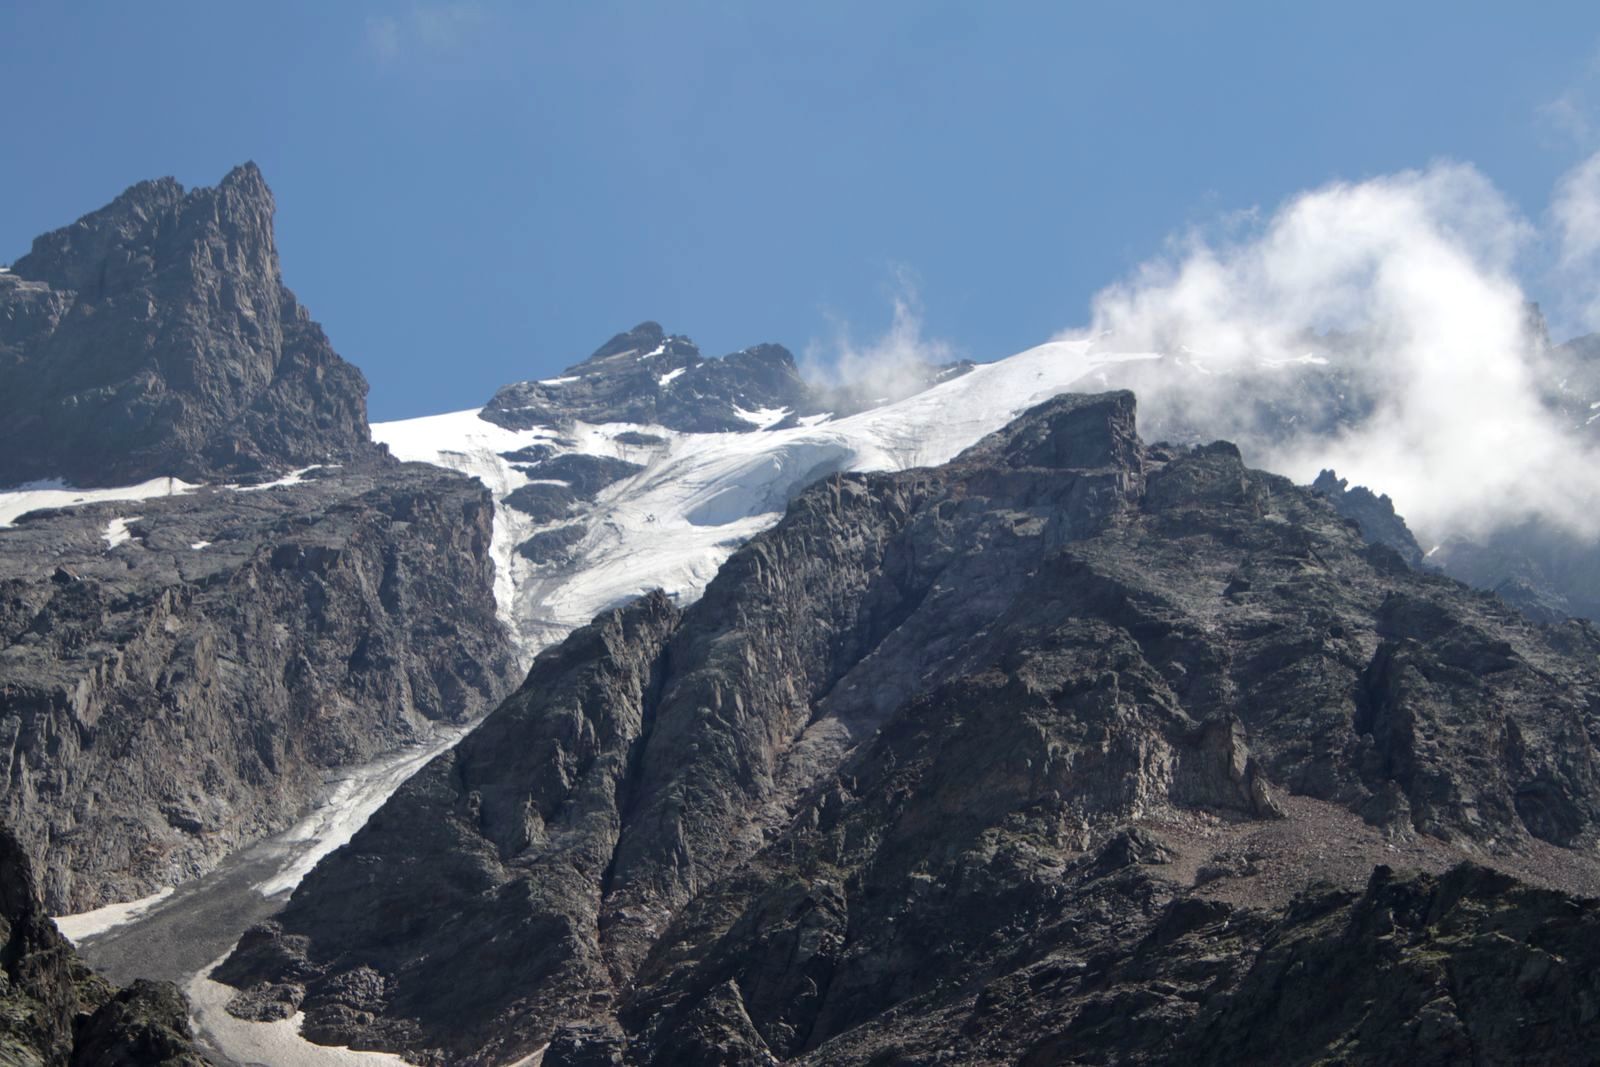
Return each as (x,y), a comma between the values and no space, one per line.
(155,338)
(1037,755)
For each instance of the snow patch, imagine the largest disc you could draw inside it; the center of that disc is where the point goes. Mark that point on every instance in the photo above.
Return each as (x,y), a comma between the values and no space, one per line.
(672,375)
(762,417)
(36,496)
(294,477)
(656,351)
(86,924)
(117,532)
(558,381)
(197,545)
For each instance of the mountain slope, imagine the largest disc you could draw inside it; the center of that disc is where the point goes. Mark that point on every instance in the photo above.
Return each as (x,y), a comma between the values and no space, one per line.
(943,732)
(671,506)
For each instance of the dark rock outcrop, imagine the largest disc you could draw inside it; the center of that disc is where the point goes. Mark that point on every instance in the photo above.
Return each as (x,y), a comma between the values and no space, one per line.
(155,337)
(996,762)
(55,1012)
(167,699)
(1375,515)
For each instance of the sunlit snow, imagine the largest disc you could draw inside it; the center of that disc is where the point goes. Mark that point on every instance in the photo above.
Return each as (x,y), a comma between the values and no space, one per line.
(36,496)
(85,924)
(117,532)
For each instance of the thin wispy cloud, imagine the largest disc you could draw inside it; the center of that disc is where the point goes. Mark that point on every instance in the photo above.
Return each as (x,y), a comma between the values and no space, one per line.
(888,366)
(1572,114)
(427,32)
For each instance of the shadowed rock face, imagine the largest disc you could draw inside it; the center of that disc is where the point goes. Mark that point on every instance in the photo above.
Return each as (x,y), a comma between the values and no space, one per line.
(55,1012)
(162,704)
(978,764)
(156,337)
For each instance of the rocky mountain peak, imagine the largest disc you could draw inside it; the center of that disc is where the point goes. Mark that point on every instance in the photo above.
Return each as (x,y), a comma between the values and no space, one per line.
(645,375)
(155,337)
(642,338)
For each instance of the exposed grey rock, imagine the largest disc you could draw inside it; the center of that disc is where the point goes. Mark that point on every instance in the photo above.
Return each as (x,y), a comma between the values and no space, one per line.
(949,731)
(155,337)
(55,1012)
(162,704)
(1375,515)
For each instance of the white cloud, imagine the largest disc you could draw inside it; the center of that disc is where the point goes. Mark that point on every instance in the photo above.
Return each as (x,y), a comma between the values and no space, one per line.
(1434,390)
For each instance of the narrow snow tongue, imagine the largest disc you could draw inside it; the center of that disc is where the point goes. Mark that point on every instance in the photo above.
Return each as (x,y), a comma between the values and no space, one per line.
(155,337)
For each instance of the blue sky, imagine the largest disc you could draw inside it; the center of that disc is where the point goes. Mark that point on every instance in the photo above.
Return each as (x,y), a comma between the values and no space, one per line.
(471,193)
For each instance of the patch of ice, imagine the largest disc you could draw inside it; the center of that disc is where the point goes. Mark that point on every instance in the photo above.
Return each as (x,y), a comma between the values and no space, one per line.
(86,924)
(672,375)
(117,532)
(559,381)
(35,496)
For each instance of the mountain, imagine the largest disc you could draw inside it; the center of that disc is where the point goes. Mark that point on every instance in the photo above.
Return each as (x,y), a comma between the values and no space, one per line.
(593,514)
(186,661)
(1073,748)
(155,338)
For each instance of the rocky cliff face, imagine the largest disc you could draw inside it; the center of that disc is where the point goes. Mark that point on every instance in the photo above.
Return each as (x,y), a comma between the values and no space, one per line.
(167,698)
(155,337)
(1020,759)
(55,1012)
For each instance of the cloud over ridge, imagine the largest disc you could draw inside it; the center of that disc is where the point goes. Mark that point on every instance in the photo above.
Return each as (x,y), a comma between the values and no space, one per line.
(1380,328)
